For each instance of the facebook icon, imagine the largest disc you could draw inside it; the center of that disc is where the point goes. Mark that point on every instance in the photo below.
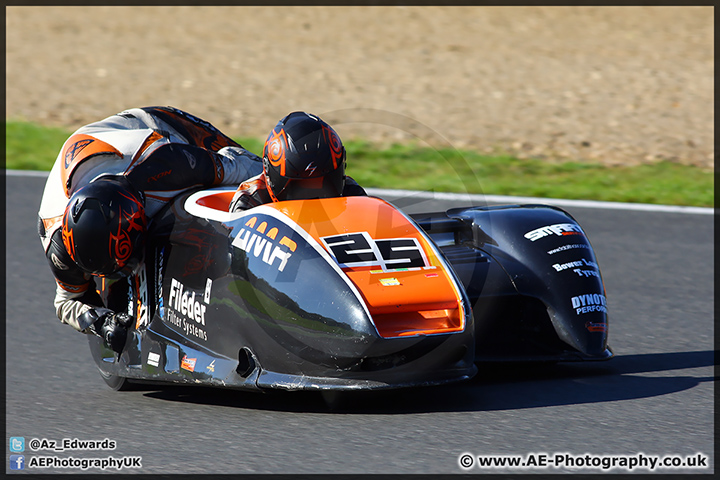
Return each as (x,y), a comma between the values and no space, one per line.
(17,462)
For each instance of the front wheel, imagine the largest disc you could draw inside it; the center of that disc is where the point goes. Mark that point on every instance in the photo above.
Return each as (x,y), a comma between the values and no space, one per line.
(120,384)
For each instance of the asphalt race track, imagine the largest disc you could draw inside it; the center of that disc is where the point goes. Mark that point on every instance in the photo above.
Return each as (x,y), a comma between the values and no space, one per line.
(655,398)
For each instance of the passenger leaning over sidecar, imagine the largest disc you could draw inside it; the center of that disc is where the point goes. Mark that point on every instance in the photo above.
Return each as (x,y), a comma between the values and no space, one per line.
(109,179)
(303,158)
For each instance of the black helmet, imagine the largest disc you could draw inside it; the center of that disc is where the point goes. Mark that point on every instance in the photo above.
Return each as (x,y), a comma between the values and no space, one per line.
(104,226)
(303,158)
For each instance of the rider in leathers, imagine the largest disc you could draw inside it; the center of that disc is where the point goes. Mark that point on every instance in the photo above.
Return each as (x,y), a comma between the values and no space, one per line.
(108,181)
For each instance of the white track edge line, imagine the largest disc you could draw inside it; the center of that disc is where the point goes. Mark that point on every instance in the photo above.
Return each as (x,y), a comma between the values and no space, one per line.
(561,202)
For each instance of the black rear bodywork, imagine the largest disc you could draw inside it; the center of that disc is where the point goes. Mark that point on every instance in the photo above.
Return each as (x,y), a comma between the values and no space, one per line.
(533,300)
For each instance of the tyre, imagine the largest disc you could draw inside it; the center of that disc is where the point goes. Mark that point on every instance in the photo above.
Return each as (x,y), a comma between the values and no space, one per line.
(120,384)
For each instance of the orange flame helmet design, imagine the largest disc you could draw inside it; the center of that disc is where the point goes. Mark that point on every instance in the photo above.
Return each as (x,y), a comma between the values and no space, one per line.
(104,226)
(275,148)
(303,158)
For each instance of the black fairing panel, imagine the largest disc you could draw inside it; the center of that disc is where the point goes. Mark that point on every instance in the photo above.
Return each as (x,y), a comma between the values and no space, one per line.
(535,284)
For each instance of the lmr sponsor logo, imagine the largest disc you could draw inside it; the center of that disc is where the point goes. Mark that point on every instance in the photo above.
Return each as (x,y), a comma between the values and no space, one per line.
(591,302)
(261,242)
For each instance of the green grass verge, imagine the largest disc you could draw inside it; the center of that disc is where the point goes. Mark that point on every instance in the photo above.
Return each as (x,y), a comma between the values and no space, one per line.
(414,167)
(420,168)
(32,147)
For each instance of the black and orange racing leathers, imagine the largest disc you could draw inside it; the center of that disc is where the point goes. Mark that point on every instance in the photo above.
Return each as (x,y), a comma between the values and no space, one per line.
(162,151)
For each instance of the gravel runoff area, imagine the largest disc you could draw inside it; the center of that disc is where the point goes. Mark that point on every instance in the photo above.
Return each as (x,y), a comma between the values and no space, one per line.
(619,85)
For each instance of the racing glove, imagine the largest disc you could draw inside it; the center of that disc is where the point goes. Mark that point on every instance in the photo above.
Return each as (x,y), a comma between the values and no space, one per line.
(110,326)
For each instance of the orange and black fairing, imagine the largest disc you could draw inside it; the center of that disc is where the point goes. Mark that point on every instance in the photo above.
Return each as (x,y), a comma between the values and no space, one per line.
(310,314)
(407,286)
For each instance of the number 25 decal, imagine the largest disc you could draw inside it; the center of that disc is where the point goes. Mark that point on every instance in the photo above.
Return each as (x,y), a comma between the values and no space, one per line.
(361,250)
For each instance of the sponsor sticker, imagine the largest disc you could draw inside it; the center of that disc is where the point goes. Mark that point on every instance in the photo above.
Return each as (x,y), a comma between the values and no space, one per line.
(568,247)
(262,242)
(389,282)
(559,267)
(208,289)
(186,309)
(580,267)
(559,229)
(141,286)
(153,359)
(590,302)
(586,273)
(188,363)
(413,269)
(596,327)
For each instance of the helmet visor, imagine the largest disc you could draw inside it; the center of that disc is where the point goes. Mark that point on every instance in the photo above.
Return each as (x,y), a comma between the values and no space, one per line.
(330,185)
